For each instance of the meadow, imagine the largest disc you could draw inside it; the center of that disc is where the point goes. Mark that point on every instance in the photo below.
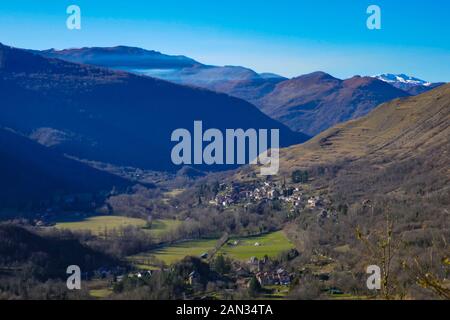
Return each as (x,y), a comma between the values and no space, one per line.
(175,253)
(97,225)
(271,244)
(161,226)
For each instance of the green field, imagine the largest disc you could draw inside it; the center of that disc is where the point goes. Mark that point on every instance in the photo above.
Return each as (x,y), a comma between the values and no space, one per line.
(278,292)
(99,289)
(99,224)
(175,253)
(271,244)
(159,227)
(100,293)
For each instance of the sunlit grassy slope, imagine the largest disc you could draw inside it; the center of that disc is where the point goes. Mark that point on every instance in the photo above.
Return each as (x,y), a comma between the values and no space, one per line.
(271,244)
(99,224)
(397,130)
(177,252)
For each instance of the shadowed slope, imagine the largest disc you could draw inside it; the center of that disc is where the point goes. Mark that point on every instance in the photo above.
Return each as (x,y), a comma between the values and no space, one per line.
(31,173)
(114,117)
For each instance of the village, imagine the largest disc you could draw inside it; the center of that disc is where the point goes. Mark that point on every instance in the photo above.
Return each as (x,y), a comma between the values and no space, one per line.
(295,199)
(268,275)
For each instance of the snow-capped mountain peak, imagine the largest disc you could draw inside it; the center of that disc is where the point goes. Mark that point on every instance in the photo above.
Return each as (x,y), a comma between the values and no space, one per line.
(402,79)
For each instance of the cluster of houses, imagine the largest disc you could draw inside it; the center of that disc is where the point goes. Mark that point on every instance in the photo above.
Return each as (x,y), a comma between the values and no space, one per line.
(294,198)
(314,202)
(265,275)
(279,277)
(256,193)
(264,191)
(229,195)
(138,275)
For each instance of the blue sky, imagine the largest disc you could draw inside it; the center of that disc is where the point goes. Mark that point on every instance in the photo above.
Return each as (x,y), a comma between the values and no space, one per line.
(289,37)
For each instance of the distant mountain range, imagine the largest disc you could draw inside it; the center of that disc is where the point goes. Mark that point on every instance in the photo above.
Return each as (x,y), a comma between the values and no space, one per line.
(239,82)
(309,104)
(315,102)
(236,81)
(413,86)
(111,116)
(121,57)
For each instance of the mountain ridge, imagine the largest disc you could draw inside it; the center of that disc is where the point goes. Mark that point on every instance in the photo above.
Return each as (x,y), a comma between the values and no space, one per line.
(120,56)
(412,85)
(315,102)
(404,128)
(267,91)
(114,116)
(399,150)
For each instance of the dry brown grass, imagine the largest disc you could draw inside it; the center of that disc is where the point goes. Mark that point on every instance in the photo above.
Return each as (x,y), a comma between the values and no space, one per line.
(397,130)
